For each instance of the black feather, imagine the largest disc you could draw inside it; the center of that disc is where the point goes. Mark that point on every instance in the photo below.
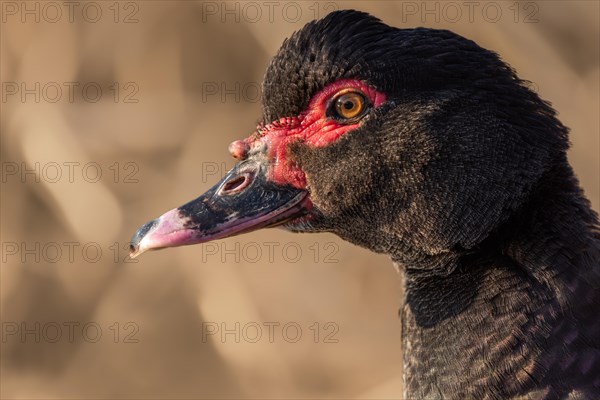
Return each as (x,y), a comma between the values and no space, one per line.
(462,178)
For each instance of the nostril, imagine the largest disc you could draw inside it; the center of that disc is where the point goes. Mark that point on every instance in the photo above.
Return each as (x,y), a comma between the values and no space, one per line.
(236,185)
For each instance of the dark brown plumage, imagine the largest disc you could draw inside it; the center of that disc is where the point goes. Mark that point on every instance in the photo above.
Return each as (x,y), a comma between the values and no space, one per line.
(456,170)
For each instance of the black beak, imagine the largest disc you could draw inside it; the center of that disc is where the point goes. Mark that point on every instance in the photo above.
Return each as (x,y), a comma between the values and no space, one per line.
(243,201)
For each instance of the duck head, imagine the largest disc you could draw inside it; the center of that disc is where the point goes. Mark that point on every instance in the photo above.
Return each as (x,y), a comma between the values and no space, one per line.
(411,142)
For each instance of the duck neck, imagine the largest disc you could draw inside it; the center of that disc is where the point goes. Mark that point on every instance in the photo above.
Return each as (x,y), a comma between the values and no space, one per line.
(500,316)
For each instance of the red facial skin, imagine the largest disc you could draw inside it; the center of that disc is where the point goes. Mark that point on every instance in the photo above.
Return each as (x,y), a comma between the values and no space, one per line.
(311,127)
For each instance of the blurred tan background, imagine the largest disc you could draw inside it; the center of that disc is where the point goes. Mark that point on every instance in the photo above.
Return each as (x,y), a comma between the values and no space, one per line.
(149,94)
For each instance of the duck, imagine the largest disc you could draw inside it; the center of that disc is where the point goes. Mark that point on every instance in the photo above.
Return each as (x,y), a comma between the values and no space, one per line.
(420,144)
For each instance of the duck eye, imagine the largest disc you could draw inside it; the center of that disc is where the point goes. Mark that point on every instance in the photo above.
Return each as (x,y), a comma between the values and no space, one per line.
(349,106)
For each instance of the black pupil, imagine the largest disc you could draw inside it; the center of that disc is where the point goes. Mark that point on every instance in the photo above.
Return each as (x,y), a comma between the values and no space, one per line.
(349,105)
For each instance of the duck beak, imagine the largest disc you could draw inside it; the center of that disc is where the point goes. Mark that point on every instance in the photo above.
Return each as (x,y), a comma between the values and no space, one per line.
(243,201)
